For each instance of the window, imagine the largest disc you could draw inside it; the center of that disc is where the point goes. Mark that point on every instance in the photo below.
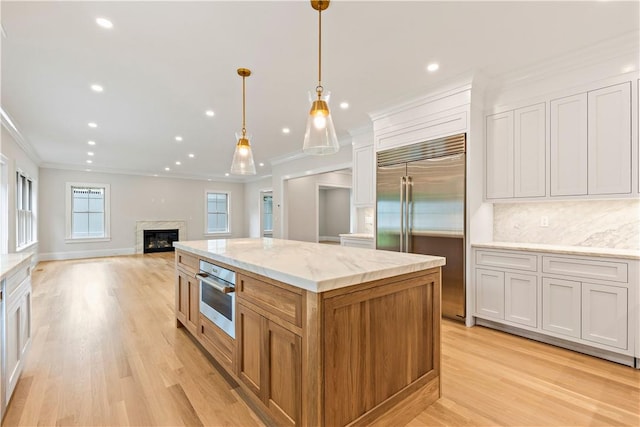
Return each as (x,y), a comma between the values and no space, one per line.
(87,212)
(267,212)
(217,214)
(24,211)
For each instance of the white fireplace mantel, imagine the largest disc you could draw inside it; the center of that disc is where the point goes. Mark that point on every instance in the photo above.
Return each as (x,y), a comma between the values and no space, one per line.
(181,226)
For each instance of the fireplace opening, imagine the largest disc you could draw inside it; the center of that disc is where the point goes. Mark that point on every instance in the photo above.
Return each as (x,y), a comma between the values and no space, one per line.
(159,240)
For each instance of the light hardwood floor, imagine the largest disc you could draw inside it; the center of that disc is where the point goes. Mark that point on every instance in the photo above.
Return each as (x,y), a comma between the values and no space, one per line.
(106,351)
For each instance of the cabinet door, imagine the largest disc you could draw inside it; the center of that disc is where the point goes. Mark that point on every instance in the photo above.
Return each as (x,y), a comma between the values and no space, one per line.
(25,323)
(363,176)
(561,306)
(284,372)
(499,156)
(569,145)
(182,297)
(13,349)
(249,333)
(609,140)
(520,298)
(490,293)
(604,314)
(529,151)
(193,314)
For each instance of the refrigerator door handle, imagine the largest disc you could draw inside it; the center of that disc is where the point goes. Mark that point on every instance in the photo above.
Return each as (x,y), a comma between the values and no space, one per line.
(403,186)
(408,214)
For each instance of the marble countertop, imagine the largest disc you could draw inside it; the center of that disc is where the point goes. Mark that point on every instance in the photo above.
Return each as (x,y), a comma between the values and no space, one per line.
(9,262)
(357,235)
(560,249)
(311,266)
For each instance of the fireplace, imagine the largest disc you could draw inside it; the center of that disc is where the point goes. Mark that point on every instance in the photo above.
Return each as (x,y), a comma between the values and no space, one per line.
(159,240)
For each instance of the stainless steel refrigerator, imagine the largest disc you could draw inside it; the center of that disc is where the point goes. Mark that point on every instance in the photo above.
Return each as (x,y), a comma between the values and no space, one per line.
(420,208)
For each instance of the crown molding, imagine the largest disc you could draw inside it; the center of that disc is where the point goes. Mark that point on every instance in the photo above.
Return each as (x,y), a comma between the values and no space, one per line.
(9,124)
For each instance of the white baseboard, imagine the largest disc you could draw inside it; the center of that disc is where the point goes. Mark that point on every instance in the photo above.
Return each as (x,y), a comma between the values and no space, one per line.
(57,256)
(329,239)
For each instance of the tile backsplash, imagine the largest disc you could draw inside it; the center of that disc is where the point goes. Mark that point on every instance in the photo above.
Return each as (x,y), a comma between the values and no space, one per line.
(599,223)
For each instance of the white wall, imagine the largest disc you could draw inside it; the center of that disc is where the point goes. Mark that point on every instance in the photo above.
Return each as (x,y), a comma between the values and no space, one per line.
(17,159)
(133,198)
(297,168)
(334,212)
(252,205)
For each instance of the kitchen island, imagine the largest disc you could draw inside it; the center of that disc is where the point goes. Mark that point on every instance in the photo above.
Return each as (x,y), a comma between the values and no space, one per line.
(324,335)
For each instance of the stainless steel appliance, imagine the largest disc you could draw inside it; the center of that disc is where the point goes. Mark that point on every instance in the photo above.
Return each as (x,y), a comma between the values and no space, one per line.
(217,296)
(421,209)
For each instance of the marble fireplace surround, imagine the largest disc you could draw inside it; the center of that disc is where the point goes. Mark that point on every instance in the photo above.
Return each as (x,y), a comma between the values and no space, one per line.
(181,226)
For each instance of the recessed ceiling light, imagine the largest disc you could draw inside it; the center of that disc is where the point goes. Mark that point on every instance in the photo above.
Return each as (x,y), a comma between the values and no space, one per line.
(97,88)
(89,161)
(208,179)
(178,138)
(344,105)
(167,169)
(629,68)
(91,142)
(261,164)
(210,113)
(178,163)
(191,155)
(89,153)
(104,23)
(92,125)
(155,174)
(87,170)
(433,67)
(226,174)
(286,130)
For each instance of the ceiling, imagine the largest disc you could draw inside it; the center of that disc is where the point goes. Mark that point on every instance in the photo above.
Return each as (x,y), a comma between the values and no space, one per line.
(163,64)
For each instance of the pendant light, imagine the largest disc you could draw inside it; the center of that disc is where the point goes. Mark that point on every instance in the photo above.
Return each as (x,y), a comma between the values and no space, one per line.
(242,163)
(320,136)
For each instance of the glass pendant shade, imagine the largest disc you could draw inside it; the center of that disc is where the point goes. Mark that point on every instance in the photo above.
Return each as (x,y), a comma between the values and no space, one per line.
(320,136)
(242,163)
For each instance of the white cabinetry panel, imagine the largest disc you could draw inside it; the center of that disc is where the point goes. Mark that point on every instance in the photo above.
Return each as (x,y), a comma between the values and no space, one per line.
(609,139)
(529,151)
(490,293)
(604,314)
(521,295)
(518,261)
(602,270)
(561,306)
(363,176)
(499,156)
(569,146)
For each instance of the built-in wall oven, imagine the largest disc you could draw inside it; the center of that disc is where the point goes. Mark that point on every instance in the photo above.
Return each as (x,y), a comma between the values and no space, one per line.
(217,296)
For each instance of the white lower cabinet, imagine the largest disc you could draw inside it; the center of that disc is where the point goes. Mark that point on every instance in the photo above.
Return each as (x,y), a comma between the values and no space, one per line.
(17,334)
(592,301)
(561,306)
(605,314)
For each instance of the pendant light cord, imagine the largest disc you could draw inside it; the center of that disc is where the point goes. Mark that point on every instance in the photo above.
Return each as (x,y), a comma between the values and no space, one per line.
(319,88)
(244,130)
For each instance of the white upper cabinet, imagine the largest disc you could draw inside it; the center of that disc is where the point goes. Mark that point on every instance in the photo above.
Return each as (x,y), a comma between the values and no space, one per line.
(499,156)
(364,179)
(609,140)
(530,151)
(569,146)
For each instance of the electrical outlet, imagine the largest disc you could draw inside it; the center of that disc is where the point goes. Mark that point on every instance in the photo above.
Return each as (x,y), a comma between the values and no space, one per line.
(544,221)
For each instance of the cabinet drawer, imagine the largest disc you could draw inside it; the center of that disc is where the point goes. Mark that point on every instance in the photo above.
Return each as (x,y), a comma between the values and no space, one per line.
(216,342)
(603,270)
(513,260)
(16,279)
(187,261)
(281,302)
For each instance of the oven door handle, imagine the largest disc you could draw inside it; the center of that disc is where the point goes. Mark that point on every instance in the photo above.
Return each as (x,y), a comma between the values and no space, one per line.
(217,285)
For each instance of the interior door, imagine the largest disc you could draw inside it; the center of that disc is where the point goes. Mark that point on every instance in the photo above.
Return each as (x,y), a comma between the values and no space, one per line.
(389,210)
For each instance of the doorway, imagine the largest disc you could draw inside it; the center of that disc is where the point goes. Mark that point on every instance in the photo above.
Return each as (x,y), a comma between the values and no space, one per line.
(266,213)
(334,213)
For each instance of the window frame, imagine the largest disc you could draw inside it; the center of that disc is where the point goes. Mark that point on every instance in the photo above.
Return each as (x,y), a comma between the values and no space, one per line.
(206,214)
(69,212)
(25,197)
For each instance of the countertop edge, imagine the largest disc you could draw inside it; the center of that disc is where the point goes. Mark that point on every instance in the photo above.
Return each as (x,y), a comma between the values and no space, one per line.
(562,249)
(11,262)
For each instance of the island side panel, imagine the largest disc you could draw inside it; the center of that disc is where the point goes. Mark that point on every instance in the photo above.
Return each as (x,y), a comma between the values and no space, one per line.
(381,347)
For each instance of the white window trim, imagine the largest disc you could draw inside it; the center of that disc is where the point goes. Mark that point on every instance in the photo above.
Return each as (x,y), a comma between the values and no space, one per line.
(33,212)
(107,213)
(4,202)
(206,212)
